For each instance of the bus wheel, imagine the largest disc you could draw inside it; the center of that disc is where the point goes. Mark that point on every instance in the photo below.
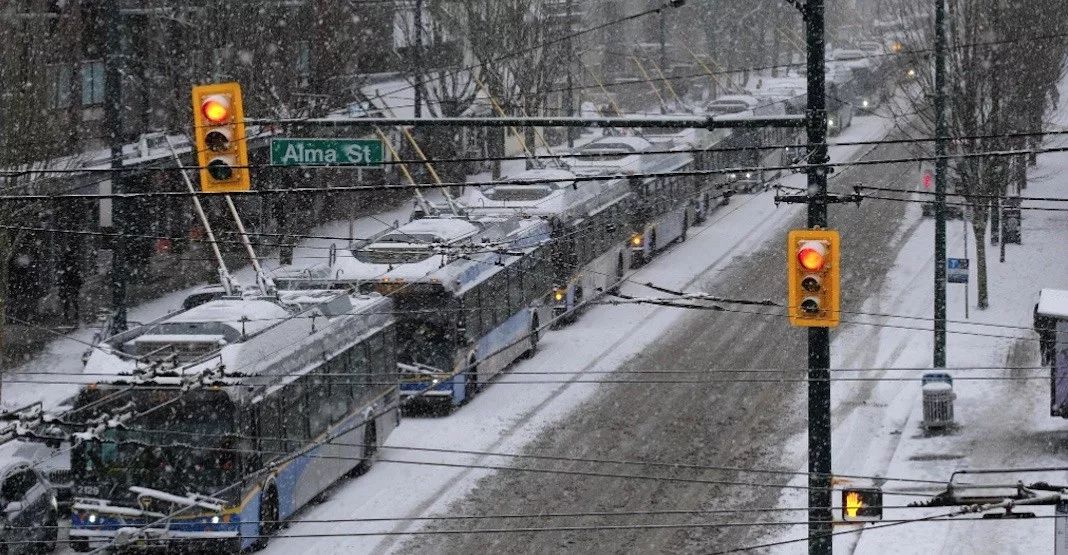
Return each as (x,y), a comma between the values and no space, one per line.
(534,337)
(470,381)
(268,516)
(619,275)
(370,447)
(52,536)
(652,244)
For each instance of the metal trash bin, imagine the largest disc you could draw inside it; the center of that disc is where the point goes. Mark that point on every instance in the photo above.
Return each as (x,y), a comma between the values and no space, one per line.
(938,397)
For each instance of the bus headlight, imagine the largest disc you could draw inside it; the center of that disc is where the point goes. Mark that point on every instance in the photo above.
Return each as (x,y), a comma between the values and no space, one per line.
(636,240)
(748,175)
(911,72)
(830,122)
(215,519)
(559,294)
(92,518)
(864,103)
(732,176)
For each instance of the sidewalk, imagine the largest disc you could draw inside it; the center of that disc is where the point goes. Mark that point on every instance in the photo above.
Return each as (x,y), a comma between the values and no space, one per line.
(1002,415)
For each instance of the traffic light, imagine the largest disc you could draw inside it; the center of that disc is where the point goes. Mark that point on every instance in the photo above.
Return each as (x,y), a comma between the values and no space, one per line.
(813,276)
(219,130)
(862,504)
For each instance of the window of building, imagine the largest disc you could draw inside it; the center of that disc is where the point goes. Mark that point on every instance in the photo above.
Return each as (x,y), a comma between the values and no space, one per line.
(93,83)
(304,63)
(59,85)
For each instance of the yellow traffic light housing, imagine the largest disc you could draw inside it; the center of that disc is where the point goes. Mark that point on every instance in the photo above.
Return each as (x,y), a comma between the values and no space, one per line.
(862,504)
(813,277)
(219,132)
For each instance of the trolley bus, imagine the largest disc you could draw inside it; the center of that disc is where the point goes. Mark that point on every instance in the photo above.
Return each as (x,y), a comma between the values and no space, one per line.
(469,295)
(588,223)
(662,208)
(227,410)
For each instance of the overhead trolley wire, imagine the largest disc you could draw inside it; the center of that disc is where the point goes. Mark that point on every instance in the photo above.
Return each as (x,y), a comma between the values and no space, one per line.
(521,182)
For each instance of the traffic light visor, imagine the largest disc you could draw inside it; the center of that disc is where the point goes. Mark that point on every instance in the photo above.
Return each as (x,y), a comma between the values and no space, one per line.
(216,109)
(812,255)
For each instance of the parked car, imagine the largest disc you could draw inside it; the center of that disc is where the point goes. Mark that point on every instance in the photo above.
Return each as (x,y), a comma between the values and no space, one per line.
(29,511)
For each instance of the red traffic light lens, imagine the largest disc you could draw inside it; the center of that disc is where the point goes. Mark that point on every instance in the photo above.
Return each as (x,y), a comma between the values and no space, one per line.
(216,109)
(812,256)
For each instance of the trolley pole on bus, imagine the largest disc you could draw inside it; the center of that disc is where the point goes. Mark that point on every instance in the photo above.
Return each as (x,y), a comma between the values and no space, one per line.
(819,348)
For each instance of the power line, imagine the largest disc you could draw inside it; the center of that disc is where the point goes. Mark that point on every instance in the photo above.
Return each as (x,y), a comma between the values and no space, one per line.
(520,182)
(573,154)
(513,516)
(965,204)
(938,518)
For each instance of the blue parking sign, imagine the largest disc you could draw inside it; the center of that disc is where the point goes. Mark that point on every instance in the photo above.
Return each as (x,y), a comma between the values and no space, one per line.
(957,270)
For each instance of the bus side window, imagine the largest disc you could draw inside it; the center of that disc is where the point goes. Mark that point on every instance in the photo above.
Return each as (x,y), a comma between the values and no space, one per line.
(377,359)
(473,313)
(500,294)
(486,301)
(359,371)
(515,287)
(320,409)
(248,448)
(389,371)
(272,431)
(294,414)
(532,281)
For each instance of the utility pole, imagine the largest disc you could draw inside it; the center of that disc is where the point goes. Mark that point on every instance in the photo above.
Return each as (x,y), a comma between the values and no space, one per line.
(941,165)
(663,52)
(113,117)
(570,98)
(418,56)
(819,347)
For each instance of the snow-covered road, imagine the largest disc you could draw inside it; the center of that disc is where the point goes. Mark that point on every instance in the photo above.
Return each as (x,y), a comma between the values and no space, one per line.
(507,416)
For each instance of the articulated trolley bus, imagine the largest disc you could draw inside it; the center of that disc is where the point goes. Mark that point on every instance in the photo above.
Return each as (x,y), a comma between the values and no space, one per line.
(231,414)
(469,296)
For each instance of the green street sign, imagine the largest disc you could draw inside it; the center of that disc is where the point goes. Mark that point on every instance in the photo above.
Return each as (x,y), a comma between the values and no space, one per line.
(364,153)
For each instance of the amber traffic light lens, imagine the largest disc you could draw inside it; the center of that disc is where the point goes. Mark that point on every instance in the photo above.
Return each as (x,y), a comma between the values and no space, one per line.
(216,110)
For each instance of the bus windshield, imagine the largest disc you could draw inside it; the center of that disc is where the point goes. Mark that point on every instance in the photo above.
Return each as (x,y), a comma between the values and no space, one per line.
(182,443)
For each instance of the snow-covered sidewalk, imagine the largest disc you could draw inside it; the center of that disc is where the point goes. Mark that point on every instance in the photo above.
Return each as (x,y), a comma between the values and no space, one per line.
(1002,414)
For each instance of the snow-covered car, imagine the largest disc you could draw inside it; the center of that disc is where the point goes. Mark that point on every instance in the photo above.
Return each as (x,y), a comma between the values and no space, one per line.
(29,512)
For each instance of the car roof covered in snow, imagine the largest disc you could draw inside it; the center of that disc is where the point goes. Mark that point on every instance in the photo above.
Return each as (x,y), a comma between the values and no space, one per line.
(1053,303)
